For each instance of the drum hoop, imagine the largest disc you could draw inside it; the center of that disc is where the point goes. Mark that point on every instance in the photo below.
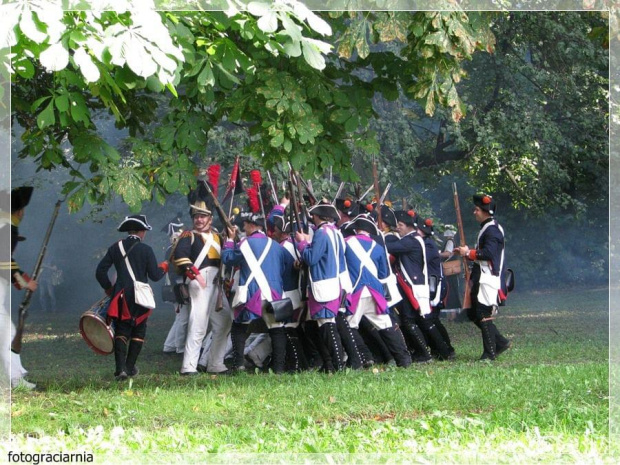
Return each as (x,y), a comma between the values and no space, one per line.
(97,318)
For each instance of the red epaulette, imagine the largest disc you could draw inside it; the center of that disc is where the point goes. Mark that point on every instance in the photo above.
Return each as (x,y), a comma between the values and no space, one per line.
(186,234)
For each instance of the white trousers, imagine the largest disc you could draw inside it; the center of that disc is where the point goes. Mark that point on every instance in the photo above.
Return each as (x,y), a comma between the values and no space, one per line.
(202,305)
(367,308)
(217,343)
(175,341)
(11,362)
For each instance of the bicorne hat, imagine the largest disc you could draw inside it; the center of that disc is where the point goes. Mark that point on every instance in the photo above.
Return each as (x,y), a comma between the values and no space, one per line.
(364,222)
(249,217)
(485,203)
(324,209)
(347,206)
(134,223)
(426,225)
(409,217)
(278,221)
(387,216)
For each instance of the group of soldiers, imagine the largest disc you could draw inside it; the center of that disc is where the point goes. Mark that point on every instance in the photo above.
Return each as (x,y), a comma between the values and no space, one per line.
(341,293)
(345,287)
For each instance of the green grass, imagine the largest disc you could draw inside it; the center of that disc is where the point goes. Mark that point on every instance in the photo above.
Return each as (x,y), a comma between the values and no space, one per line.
(545,400)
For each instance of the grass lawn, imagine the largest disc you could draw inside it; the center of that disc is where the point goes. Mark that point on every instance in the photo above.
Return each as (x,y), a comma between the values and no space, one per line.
(545,400)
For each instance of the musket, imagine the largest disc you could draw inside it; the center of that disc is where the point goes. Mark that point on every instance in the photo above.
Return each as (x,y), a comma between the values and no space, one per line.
(218,279)
(218,207)
(295,178)
(16,344)
(273,189)
(313,199)
(366,192)
(338,192)
(294,204)
(294,211)
(459,222)
(375,177)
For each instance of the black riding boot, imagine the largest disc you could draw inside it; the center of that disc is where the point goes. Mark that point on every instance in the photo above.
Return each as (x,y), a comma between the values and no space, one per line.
(309,335)
(278,349)
(444,333)
(120,355)
(380,352)
(331,339)
(348,341)
(501,343)
(421,351)
(395,342)
(296,358)
(435,338)
(315,336)
(487,328)
(365,353)
(135,346)
(238,335)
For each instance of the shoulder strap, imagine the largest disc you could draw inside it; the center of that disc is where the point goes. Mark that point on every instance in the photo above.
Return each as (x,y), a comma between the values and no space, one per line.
(209,241)
(364,257)
(129,268)
(424,269)
(256,272)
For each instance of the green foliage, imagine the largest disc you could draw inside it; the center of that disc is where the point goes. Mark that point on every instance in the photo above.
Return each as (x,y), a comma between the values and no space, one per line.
(267,69)
(540,131)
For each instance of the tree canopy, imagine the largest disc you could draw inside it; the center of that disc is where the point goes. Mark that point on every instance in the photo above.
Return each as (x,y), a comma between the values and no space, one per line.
(313,89)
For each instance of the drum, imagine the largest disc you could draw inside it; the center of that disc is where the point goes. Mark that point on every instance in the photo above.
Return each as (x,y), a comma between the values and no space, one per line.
(95,331)
(451,267)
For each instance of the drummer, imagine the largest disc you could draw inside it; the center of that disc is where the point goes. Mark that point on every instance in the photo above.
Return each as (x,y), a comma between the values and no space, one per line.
(130,318)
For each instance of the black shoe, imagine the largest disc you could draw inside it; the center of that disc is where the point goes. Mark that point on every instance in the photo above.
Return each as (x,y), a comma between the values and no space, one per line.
(122,376)
(503,349)
(327,368)
(134,372)
(189,373)
(369,364)
(201,369)
(422,359)
(487,356)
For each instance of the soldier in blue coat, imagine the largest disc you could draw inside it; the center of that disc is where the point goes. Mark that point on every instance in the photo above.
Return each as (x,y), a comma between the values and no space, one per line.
(487,283)
(130,321)
(412,276)
(262,263)
(329,279)
(433,327)
(369,269)
(281,232)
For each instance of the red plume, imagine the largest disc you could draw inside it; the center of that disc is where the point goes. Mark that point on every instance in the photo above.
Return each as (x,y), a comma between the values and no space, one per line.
(213,176)
(253,199)
(256,178)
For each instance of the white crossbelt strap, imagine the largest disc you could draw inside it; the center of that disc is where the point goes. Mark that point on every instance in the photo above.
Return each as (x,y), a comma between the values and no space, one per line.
(484,263)
(120,245)
(365,260)
(209,242)
(424,270)
(337,242)
(256,270)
